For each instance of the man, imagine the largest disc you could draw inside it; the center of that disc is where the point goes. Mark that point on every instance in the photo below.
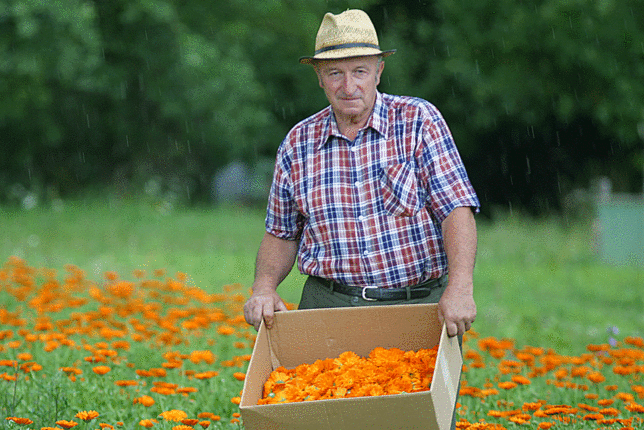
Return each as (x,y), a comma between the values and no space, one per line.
(370,195)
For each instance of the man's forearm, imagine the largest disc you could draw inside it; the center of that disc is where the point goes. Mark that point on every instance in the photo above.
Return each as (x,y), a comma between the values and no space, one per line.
(459,239)
(275,260)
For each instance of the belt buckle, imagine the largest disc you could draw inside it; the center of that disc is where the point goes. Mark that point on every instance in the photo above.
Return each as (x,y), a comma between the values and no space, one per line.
(364,297)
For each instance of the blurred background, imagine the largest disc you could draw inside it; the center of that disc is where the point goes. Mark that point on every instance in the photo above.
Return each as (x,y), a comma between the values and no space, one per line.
(186,101)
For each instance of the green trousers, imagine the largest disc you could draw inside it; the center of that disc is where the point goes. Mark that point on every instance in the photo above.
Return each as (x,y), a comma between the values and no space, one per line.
(316,295)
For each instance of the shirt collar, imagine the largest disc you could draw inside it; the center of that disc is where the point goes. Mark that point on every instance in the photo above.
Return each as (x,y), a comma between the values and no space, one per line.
(377,121)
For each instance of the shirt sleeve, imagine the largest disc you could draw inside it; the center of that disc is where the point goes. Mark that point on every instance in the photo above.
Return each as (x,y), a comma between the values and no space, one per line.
(442,171)
(283,220)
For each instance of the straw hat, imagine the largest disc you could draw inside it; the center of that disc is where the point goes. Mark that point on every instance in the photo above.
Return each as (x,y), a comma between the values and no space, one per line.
(349,34)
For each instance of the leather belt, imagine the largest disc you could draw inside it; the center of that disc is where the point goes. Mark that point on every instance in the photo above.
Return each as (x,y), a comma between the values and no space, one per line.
(381,293)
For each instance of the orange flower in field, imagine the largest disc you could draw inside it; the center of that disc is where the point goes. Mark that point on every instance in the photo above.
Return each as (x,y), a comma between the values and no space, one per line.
(522,380)
(174,415)
(144,400)
(126,383)
(101,370)
(596,377)
(66,424)
(206,375)
(239,376)
(147,423)
(225,330)
(87,415)
(545,426)
(182,427)
(190,421)
(25,356)
(209,415)
(635,407)
(20,421)
(236,400)
(204,424)
(507,385)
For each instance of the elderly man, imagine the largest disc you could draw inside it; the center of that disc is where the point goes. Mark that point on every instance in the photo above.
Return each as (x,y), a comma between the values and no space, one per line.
(370,195)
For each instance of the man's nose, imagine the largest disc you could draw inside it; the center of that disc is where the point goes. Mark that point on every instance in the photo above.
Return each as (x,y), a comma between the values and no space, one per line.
(349,85)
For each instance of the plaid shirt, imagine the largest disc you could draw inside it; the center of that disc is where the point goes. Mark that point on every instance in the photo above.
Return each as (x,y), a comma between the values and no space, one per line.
(369,212)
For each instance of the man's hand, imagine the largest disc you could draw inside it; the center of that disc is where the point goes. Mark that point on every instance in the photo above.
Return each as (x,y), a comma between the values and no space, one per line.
(263,306)
(275,259)
(457,310)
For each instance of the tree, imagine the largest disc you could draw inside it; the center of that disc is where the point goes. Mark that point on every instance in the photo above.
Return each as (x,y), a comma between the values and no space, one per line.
(541,95)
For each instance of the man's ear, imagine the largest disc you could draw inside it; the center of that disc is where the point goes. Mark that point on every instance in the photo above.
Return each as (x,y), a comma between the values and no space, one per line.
(381,67)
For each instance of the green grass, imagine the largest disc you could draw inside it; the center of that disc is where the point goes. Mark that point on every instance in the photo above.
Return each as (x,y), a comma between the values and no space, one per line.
(535,281)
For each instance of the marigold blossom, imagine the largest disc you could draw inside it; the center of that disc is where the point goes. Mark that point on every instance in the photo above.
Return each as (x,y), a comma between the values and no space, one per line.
(66,424)
(101,370)
(174,415)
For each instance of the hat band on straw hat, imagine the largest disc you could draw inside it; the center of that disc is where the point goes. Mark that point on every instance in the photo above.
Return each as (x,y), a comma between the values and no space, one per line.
(345,46)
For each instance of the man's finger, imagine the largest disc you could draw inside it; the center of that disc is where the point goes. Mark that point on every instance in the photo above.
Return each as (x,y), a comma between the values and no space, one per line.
(452,329)
(280,306)
(267,312)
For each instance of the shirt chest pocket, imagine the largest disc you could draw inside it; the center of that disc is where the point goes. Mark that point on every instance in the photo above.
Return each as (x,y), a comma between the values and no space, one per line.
(401,195)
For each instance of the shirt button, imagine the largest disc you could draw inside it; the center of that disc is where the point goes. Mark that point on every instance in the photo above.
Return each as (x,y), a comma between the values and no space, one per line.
(354,148)
(354,299)
(365,253)
(361,218)
(356,183)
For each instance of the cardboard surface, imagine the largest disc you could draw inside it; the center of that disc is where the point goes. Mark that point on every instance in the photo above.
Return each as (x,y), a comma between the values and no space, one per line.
(299,337)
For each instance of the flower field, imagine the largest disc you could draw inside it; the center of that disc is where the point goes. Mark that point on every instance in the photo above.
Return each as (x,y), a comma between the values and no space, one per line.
(156,352)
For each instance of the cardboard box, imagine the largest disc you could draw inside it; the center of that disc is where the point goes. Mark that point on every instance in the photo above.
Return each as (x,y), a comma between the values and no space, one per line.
(304,336)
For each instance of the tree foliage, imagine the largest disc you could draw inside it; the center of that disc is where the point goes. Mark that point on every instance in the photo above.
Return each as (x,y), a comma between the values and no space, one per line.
(541,95)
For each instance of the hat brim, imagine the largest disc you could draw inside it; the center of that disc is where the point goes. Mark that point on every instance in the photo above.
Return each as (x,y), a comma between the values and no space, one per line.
(346,53)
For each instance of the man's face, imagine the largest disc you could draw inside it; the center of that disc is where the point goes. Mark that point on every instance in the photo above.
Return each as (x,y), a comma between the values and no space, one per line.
(350,86)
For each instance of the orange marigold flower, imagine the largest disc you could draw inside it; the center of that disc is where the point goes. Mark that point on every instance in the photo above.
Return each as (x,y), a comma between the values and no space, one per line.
(148,423)
(101,370)
(522,380)
(545,425)
(225,330)
(596,377)
(635,407)
(144,400)
(605,402)
(236,400)
(190,421)
(507,385)
(239,376)
(206,375)
(87,415)
(209,415)
(25,356)
(20,421)
(204,424)
(236,414)
(66,424)
(593,417)
(126,383)
(609,411)
(182,427)
(174,415)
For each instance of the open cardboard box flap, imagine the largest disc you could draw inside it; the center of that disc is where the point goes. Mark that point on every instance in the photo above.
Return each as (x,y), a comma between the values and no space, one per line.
(304,336)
